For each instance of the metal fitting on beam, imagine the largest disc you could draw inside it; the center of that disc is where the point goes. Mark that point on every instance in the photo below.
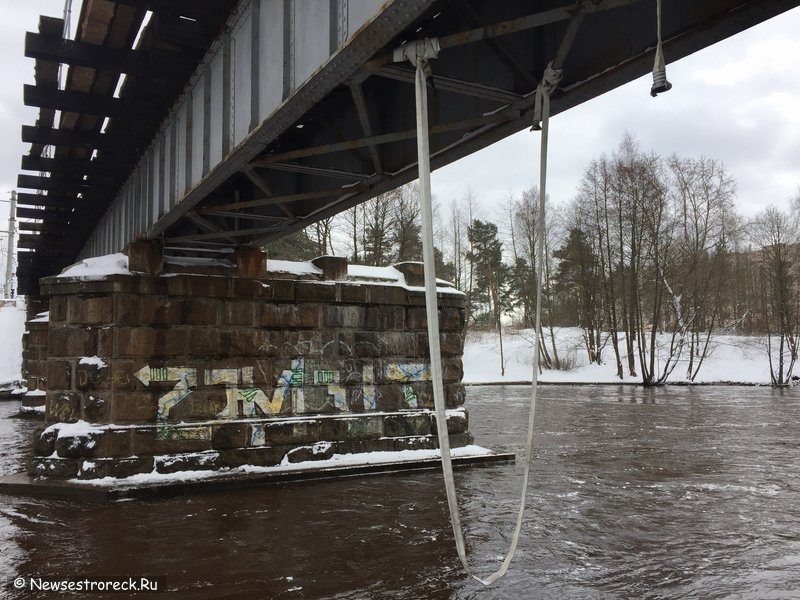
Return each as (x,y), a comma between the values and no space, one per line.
(418,51)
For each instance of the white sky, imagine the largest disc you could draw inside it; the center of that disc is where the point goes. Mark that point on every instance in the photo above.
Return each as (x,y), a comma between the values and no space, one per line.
(738,101)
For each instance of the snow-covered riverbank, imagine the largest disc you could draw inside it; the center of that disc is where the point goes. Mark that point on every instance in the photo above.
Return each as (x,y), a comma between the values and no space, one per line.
(732,358)
(12,326)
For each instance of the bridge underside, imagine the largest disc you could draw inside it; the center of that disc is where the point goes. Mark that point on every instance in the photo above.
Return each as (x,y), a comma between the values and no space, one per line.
(343,136)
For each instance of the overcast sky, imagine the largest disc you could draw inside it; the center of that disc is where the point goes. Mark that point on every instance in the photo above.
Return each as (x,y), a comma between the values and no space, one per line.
(737,101)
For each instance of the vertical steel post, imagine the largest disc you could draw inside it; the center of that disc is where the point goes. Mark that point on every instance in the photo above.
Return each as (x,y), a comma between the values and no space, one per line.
(12,223)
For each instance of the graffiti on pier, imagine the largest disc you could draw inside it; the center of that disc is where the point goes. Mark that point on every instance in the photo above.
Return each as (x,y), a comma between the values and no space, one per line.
(239,390)
(86,377)
(258,436)
(368,392)
(338,395)
(326,377)
(245,398)
(409,397)
(290,386)
(255,398)
(186,379)
(407,372)
(228,376)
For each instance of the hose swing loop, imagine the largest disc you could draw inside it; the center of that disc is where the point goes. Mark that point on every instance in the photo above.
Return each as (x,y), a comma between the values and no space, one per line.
(419,53)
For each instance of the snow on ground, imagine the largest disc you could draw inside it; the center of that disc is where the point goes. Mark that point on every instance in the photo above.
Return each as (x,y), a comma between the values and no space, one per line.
(736,359)
(12,326)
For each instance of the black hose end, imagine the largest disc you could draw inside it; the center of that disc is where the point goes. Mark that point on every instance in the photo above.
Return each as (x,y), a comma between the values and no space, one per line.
(660,84)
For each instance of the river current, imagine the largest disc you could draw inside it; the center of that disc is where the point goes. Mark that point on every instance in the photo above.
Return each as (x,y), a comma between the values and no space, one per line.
(680,492)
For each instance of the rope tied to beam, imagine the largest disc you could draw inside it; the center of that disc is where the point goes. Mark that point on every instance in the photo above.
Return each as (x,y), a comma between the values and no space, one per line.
(548,84)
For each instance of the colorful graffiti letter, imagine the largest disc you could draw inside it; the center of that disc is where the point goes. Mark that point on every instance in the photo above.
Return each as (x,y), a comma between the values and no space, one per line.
(250,396)
(409,396)
(408,372)
(254,397)
(186,378)
(290,387)
(368,389)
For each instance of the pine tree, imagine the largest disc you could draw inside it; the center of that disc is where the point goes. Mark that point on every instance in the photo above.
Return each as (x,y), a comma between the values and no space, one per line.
(491,275)
(578,288)
(297,246)
(522,283)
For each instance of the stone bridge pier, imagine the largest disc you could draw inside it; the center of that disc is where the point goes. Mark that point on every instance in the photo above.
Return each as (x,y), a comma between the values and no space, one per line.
(174,367)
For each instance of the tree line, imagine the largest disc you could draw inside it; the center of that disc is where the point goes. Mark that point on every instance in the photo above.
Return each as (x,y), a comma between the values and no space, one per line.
(649,259)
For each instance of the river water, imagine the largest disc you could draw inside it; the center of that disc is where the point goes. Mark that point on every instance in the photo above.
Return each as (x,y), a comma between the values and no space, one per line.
(636,493)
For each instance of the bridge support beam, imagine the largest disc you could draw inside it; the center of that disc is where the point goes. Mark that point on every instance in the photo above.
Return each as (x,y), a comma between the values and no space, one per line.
(146,256)
(213,369)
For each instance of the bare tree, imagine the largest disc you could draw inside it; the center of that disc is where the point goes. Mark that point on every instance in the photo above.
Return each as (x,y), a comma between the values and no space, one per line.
(776,232)
(455,235)
(594,205)
(644,244)
(660,234)
(702,195)
(406,228)
(352,222)
(524,232)
(463,213)
(320,233)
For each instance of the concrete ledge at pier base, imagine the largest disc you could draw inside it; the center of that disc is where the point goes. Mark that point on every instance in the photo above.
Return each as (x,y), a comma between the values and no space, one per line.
(32,405)
(34,413)
(157,485)
(12,391)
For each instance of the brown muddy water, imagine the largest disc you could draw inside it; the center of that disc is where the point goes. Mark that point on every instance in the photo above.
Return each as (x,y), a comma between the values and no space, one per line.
(668,493)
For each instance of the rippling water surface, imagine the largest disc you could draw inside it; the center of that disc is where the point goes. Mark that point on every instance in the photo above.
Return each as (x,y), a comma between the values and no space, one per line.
(668,493)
